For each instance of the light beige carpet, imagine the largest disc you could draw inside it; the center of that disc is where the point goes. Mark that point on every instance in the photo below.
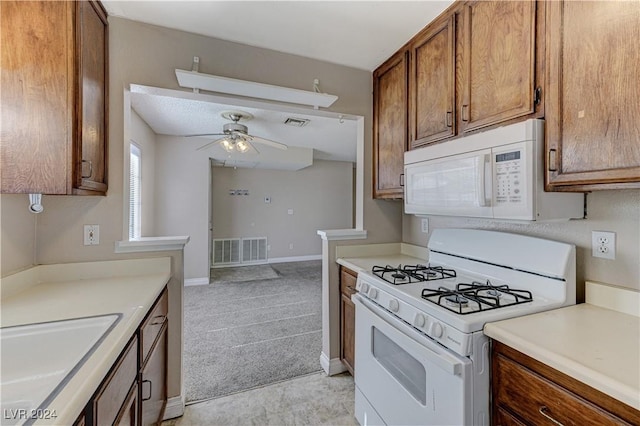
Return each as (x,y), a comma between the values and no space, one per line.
(240,335)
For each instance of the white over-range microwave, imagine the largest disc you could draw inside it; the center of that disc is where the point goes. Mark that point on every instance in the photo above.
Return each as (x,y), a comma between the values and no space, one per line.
(495,174)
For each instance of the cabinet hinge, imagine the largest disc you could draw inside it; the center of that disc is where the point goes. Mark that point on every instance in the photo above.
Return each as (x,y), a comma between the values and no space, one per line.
(537,96)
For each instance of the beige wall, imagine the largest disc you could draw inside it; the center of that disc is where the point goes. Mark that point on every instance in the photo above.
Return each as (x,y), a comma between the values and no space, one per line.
(617,211)
(182,199)
(145,139)
(17,233)
(320,196)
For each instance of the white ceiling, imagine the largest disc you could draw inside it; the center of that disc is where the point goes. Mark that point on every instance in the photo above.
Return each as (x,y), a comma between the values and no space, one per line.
(177,113)
(359,34)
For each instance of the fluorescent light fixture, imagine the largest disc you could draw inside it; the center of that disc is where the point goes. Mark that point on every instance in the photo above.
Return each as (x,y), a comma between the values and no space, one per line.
(232,86)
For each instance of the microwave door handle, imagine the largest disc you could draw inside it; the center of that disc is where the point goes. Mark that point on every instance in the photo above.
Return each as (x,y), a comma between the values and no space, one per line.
(482,177)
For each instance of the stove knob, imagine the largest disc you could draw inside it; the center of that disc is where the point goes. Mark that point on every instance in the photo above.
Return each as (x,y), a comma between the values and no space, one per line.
(436,330)
(419,321)
(373,293)
(364,287)
(394,306)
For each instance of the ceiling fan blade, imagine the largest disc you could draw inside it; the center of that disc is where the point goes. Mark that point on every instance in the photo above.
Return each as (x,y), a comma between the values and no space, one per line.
(268,142)
(203,134)
(207,145)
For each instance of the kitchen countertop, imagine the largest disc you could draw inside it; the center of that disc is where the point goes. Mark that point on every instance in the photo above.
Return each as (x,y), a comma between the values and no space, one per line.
(56,292)
(597,342)
(360,258)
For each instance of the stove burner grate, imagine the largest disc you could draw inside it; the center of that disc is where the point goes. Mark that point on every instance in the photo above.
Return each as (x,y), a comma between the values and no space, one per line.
(409,274)
(477,296)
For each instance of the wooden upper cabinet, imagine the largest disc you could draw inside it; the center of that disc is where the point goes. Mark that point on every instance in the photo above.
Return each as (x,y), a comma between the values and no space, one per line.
(499,62)
(432,84)
(390,126)
(592,130)
(91,147)
(54,97)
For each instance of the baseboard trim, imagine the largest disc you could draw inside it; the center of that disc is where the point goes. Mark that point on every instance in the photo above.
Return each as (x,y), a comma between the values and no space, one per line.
(196,281)
(295,258)
(174,407)
(331,366)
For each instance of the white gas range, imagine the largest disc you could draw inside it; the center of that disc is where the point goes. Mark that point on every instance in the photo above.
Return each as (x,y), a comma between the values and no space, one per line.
(421,356)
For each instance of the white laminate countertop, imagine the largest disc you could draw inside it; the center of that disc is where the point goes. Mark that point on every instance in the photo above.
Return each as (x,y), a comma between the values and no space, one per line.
(365,257)
(56,292)
(593,342)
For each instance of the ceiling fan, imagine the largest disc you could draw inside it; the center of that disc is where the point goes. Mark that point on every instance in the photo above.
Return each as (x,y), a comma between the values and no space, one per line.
(236,136)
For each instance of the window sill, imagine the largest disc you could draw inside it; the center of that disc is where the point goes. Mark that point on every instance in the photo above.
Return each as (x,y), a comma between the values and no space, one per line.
(152,244)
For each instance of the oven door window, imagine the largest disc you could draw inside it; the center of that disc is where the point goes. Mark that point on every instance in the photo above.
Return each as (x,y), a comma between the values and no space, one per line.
(407,370)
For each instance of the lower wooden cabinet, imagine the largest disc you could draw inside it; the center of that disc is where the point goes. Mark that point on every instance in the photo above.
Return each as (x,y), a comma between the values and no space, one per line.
(134,392)
(526,391)
(129,412)
(347,318)
(108,403)
(153,382)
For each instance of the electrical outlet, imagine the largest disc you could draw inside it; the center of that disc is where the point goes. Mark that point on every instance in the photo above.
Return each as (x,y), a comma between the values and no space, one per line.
(91,235)
(603,244)
(424,225)
(290,246)
(290,211)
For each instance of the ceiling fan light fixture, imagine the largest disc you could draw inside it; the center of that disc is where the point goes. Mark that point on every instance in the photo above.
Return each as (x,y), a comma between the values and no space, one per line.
(242,146)
(227,145)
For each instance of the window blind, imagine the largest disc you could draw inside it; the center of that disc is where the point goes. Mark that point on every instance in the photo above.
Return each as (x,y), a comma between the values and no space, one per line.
(135,184)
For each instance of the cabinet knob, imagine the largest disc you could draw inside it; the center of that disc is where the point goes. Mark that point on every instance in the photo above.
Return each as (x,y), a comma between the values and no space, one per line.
(462,112)
(150,389)
(159,319)
(544,411)
(90,169)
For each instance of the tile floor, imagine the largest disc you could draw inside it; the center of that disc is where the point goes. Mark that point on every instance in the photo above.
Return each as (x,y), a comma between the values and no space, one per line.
(314,399)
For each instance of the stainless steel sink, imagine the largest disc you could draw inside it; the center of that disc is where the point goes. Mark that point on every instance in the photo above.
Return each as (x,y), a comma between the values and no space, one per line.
(39,359)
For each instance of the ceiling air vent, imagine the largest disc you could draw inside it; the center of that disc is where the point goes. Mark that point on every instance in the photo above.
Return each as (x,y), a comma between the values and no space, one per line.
(296,122)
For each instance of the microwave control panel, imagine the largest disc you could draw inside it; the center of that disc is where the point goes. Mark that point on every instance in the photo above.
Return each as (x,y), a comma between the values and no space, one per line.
(509,169)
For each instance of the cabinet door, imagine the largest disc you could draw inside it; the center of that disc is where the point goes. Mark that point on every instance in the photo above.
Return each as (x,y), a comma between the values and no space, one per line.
(594,94)
(347,331)
(36,101)
(129,413)
(107,405)
(390,126)
(499,56)
(432,84)
(91,107)
(153,383)
(347,318)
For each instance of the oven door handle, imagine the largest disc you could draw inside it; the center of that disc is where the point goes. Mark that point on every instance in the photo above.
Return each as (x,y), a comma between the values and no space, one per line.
(436,355)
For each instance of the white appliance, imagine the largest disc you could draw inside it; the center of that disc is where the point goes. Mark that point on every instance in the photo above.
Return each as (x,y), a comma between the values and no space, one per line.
(421,356)
(494,174)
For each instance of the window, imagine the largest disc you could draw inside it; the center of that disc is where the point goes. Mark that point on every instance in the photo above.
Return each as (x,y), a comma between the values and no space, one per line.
(135,200)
